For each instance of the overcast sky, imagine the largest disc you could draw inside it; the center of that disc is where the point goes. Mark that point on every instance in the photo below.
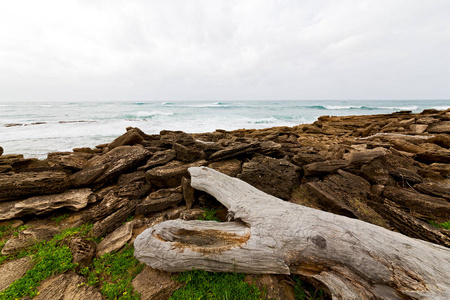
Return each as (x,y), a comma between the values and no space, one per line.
(224,50)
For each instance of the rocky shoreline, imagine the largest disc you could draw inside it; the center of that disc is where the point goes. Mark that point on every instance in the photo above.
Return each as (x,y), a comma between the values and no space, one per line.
(389,170)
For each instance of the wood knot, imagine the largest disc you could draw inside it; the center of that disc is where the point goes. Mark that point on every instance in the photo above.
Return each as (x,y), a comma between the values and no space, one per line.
(319,241)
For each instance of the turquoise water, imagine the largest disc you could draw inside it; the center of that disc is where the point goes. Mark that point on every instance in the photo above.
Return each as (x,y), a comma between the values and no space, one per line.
(41,128)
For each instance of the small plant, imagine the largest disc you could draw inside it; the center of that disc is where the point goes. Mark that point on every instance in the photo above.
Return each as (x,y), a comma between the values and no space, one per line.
(207,285)
(59,219)
(445,225)
(305,291)
(209,215)
(113,273)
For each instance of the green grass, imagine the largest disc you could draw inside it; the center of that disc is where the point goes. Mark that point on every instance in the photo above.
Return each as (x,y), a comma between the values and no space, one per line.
(59,219)
(445,225)
(209,215)
(112,273)
(50,258)
(206,285)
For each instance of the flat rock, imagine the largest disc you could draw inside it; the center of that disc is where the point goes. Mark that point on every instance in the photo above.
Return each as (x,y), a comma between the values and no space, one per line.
(74,161)
(187,154)
(421,206)
(345,194)
(121,160)
(301,159)
(429,157)
(67,286)
(133,185)
(441,168)
(439,127)
(434,189)
(231,167)
(71,199)
(13,270)
(168,138)
(276,177)
(27,238)
(153,284)
(25,184)
(116,239)
(324,167)
(114,220)
(160,200)
(379,170)
(365,156)
(87,176)
(131,137)
(239,149)
(418,128)
(158,159)
(403,145)
(170,175)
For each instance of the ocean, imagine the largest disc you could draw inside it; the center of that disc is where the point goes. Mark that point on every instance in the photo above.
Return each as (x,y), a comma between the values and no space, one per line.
(36,128)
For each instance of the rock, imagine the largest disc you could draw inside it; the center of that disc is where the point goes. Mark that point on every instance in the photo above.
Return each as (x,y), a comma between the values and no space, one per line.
(365,156)
(5,168)
(73,161)
(71,199)
(240,149)
(275,287)
(153,284)
(83,251)
(345,194)
(442,169)
(20,185)
(106,207)
(87,176)
(404,175)
(115,240)
(168,138)
(188,192)
(276,177)
(160,200)
(434,189)
(13,270)
(406,146)
(170,175)
(1,151)
(379,170)
(186,154)
(83,150)
(418,128)
(439,127)
(272,149)
(114,220)
(121,160)
(27,238)
(430,157)
(301,159)
(324,167)
(158,159)
(231,167)
(192,214)
(442,140)
(131,137)
(67,286)
(421,206)
(133,185)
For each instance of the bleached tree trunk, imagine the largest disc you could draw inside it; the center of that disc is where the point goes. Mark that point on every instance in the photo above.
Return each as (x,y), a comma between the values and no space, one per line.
(353,259)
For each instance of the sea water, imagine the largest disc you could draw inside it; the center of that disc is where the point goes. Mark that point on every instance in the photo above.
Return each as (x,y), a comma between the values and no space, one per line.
(37,128)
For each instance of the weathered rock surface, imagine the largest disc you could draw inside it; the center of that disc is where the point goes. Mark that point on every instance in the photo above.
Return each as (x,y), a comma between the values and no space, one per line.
(71,199)
(158,159)
(133,185)
(439,127)
(186,154)
(240,149)
(27,238)
(159,200)
(67,286)
(87,176)
(153,284)
(324,167)
(83,251)
(116,239)
(188,192)
(131,137)
(434,189)
(276,177)
(74,161)
(20,185)
(114,220)
(170,175)
(13,270)
(231,167)
(430,157)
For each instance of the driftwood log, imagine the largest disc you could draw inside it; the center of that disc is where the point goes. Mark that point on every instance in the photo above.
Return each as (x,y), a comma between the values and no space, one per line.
(351,258)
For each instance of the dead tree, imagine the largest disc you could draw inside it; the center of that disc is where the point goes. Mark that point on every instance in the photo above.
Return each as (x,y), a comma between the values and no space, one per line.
(351,258)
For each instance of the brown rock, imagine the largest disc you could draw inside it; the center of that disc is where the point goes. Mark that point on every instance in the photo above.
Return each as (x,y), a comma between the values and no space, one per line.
(168,138)
(133,185)
(276,177)
(5,168)
(87,176)
(379,170)
(301,159)
(154,284)
(114,220)
(430,157)
(442,140)
(67,286)
(107,206)
(403,145)
(27,238)
(160,200)
(324,167)
(272,149)
(442,169)
(73,161)
(13,270)
(434,189)
(421,206)
(439,127)
(131,137)
(71,199)
(403,175)
(158,159)
(418,128)
(116,239)
(170,175)
(186,154)
(83,251)
(188,192)
(26,184)
(231,167)
(1,151)
(365,156)
(240,149)
(121,160)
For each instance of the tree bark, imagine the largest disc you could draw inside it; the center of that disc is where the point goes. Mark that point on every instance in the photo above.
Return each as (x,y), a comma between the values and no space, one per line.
(351,258)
